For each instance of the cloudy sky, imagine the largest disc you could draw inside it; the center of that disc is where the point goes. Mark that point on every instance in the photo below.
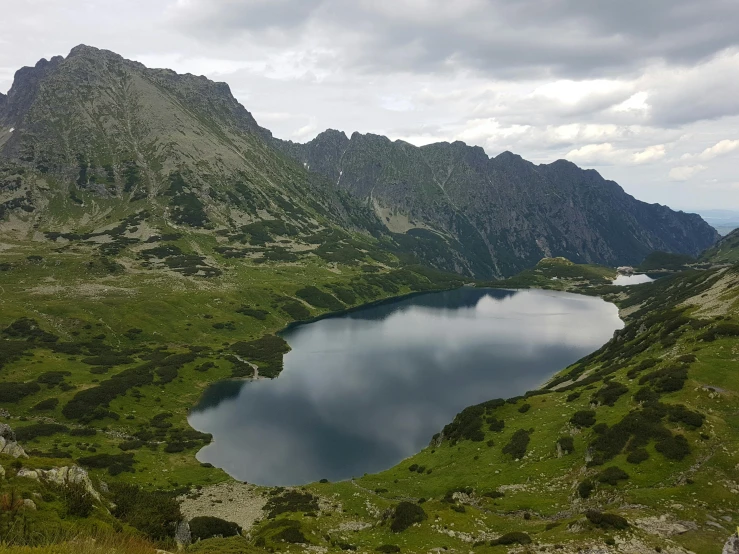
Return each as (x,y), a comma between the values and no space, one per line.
(646,92)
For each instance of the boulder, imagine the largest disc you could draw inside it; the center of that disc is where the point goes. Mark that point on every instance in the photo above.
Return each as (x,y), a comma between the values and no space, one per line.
(28,473)
(29,504)
(61,475)
(8,444)
(732,545)
(2,472)
(182,535)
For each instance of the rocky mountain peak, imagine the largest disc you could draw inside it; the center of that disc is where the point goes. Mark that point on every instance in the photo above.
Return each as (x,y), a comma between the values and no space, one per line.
(504,214)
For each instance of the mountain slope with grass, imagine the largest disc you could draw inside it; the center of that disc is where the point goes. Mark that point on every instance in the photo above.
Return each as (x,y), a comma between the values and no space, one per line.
(725,251)
(505,212)
(633,448)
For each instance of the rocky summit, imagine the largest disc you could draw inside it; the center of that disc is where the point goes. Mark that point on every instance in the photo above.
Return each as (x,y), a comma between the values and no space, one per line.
(500,214)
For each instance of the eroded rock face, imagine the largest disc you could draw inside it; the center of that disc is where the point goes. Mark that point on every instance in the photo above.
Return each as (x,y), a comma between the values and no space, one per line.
(8,444)
(61,475)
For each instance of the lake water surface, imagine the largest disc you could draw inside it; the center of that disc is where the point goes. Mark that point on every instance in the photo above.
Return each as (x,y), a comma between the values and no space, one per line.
(362,391)
(628,280)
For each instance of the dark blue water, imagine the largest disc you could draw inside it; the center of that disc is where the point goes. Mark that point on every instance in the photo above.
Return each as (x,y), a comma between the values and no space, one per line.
(362,391)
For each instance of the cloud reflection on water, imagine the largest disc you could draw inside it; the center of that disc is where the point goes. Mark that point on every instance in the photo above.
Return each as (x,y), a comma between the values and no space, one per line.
(362,391)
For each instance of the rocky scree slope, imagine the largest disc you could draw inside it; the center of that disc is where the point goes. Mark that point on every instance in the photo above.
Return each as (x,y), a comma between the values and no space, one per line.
(500,214)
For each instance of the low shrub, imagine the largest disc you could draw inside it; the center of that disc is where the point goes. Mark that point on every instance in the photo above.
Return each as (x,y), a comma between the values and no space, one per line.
(155,514)
(114,463)
(516,537)
(516,447)
(610,393)
(291,501)
(637,456)
(612,475)
(583,418)
(496,425)
(39,430)
(405,515)
(566,444)
(606,521)
(78,501)
(46,405)
(13,393)
(206,527)
(291,535)
(585,489)
(673,447)
(388,549)
(320,299)
(524,408)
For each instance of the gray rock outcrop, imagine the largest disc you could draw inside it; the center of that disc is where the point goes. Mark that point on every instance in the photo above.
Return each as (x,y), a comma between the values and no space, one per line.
(8,445)
(732,545)
(61,475)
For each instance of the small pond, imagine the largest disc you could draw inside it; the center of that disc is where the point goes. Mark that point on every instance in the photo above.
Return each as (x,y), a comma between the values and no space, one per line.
(364,390)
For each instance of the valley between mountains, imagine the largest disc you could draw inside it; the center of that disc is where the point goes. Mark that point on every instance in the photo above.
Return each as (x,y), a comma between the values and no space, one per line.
(154,240)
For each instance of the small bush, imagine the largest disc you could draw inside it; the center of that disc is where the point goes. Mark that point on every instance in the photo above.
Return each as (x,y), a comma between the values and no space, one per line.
(573,396)
(610,392)
(153,513)
(673,447)
(566,444)
(607,521)
(583,418)
(496,425)
(518,444)
(130,445)
(39,430)
(291,501)
(637,456)
(612,475)
(291,535)
(77,500)
(405,515)
(516,537)
(524,408)
(585,489)
(388,549)
(46,405)
(206,527)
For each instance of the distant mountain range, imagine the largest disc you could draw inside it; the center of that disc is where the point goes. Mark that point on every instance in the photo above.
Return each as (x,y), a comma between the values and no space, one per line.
(90,139)
(502,213)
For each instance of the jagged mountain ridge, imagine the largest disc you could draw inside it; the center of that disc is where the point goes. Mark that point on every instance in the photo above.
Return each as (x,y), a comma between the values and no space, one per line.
(99,129)
(507,212)
(101,138)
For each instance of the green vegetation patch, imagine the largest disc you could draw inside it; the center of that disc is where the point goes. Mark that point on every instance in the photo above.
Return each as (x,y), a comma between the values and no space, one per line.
(266,352)
(405,515)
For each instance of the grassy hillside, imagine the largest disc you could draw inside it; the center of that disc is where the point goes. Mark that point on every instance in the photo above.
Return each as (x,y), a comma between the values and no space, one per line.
(635,445)
(725,251)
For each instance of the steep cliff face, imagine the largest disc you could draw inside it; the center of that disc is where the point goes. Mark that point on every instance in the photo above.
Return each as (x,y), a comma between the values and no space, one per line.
(506,212)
